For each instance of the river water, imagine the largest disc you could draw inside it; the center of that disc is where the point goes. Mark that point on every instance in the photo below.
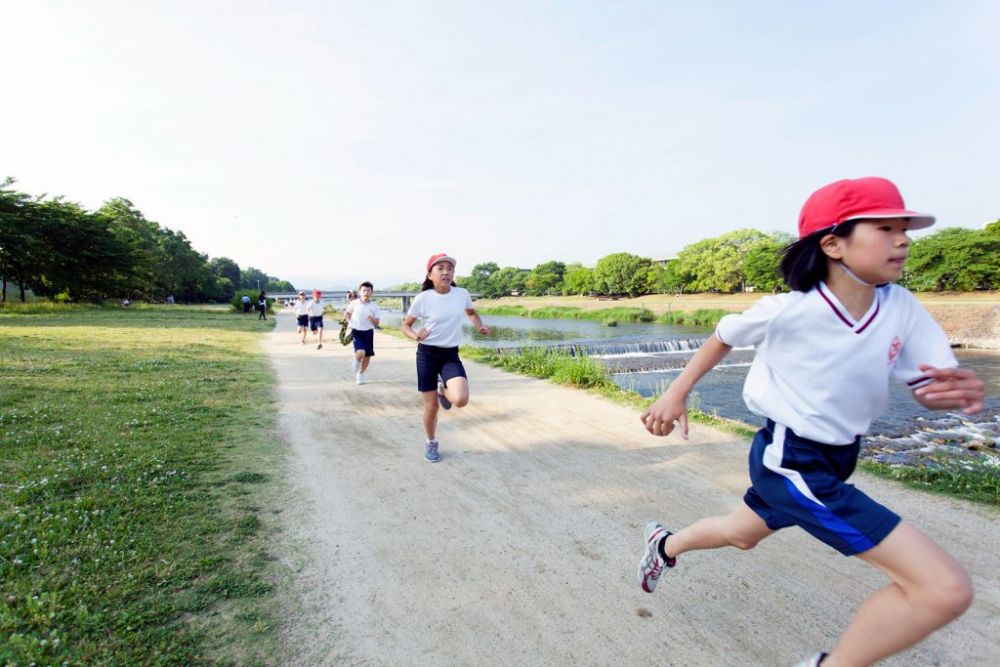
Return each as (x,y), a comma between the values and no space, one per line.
(645,357)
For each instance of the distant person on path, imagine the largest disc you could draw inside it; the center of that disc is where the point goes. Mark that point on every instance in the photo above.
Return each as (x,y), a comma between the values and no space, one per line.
(825,353)
(363,318)
(301,307)
(441,376)
(245,300)
(315,312)
(262,306)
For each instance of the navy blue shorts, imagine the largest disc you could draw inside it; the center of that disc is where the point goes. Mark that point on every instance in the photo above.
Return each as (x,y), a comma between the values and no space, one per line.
(315,322)
(302,320)
(437,361)
(800,482)
(365,340)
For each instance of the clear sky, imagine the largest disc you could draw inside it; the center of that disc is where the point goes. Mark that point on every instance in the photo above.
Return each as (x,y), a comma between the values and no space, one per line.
(330,142)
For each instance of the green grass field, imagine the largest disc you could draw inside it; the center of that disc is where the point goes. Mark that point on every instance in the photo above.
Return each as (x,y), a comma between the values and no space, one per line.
(135,457)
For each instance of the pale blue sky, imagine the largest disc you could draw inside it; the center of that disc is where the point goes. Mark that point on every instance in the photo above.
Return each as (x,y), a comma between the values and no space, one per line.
(331,142)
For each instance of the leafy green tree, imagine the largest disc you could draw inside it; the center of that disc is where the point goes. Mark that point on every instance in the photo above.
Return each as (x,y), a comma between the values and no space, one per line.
(954,259)
(717,263)
(507,280)
(761,262)
(18,245)
(622,273)
(408,287)
(223,267)
(672,279)
(577,279)
(478,280)
(546,278)
(276,285)
(253,279)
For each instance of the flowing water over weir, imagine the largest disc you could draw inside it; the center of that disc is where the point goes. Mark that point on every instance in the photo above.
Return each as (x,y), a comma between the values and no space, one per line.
(906,434)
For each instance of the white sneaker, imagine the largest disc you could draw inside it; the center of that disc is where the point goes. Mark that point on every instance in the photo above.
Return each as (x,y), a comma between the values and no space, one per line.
(812,661)
(360,377)
(651,565)
(355,364)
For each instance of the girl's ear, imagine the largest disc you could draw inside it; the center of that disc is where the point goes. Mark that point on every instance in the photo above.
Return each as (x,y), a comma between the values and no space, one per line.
(831,246)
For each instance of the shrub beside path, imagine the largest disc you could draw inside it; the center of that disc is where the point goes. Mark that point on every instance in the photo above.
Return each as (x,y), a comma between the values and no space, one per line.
(520,546)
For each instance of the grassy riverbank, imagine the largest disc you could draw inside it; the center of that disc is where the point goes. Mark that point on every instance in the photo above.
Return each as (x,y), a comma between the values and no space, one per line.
(136,446)
(609,316)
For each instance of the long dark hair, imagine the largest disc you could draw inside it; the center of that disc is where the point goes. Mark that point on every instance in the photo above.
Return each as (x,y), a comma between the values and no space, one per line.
(804,264)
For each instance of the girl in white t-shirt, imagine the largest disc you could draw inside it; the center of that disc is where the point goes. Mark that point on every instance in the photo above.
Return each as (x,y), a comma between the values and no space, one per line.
(825,353)
(441,376)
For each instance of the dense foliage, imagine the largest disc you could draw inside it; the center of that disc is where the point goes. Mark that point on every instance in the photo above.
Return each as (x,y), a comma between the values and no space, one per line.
(60,250)
(745,260)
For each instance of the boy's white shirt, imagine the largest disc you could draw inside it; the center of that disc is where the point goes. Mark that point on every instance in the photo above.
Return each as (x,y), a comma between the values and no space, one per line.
(442,314)
(359,312)
(301,307)
(821,373)
(315,309)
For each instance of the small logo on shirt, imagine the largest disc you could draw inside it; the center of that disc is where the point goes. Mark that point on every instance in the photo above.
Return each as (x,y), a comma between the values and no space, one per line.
(894,349)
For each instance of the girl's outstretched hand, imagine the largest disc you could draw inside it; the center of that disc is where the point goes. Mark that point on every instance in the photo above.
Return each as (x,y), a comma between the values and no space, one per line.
(660,417)
(953,388)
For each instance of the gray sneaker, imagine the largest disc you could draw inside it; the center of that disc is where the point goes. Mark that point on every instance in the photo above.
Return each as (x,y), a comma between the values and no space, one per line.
(431,454)
(442,399)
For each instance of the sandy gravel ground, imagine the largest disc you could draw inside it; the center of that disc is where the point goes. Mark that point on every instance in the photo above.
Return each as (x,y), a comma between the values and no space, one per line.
(519,547)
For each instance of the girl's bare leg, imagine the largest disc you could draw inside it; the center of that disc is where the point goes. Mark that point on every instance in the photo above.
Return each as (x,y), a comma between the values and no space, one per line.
(457,391)
(742,528)
(430,413)
(928,590)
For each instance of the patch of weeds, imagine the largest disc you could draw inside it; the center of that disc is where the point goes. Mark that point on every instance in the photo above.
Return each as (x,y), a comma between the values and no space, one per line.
(250,477)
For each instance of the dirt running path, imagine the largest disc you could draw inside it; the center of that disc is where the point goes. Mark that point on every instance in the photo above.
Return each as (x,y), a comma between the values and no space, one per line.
(519,547)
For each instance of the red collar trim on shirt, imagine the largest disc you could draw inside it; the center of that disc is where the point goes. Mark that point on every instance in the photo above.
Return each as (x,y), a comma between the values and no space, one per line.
(843,318)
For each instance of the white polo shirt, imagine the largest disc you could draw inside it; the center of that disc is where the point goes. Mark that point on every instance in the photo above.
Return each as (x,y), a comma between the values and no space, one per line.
(824,374)
(315,309)
(301,307)
(359,312)
(442,314)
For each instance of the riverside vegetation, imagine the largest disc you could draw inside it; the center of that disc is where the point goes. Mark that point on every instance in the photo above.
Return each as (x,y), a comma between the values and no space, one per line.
(704,317)
(137,446)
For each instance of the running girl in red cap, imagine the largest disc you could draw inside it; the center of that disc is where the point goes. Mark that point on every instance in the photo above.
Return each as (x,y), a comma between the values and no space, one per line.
(825,353)
(441,376)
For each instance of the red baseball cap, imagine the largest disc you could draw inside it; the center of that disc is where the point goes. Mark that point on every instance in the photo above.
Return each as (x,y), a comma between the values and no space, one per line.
(856,199)
(316,292)
(438,258)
